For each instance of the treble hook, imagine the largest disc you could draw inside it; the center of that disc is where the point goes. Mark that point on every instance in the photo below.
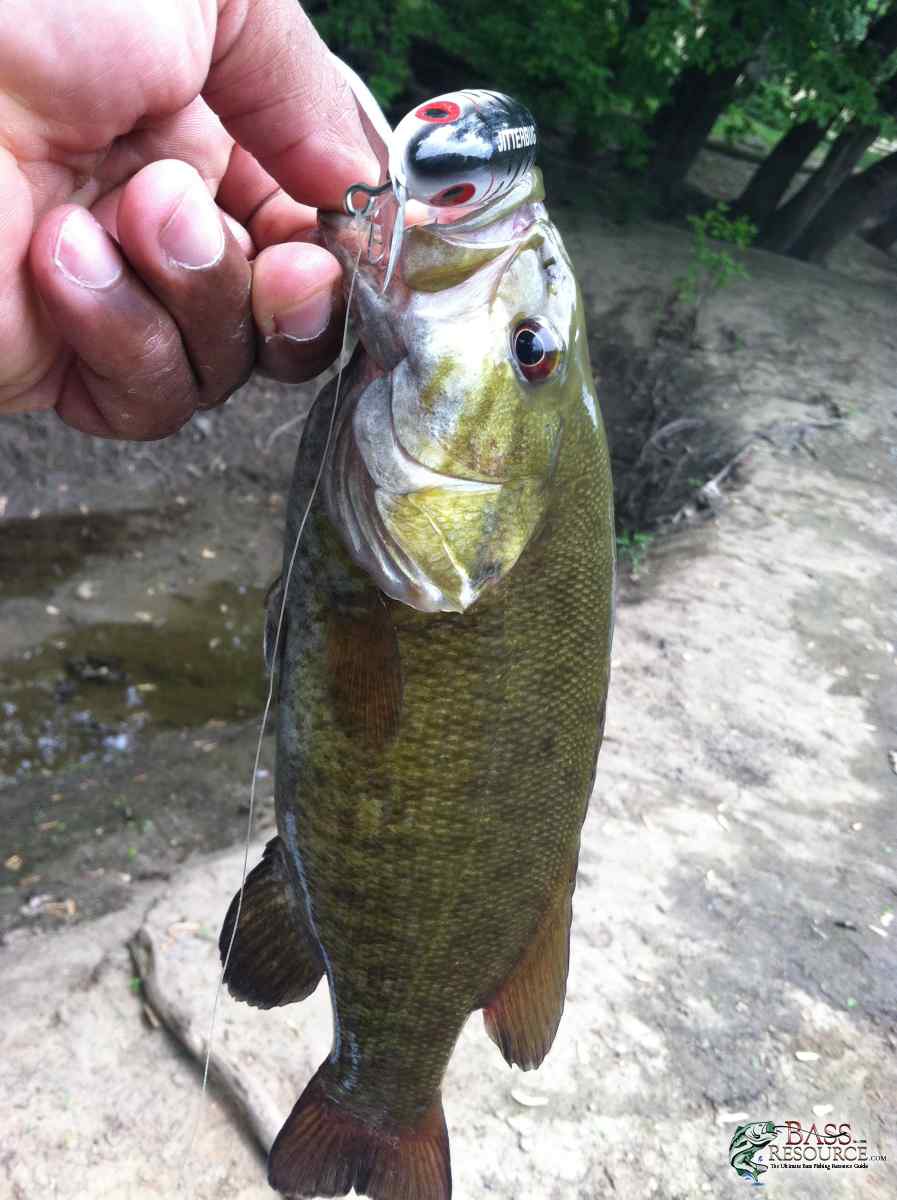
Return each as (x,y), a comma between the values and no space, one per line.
(375,247)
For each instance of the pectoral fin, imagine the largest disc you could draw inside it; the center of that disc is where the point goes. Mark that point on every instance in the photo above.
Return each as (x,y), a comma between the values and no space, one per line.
(522,1017)
(274,960)
(365,671)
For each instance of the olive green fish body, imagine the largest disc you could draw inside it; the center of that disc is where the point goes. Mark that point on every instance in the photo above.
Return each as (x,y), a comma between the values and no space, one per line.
(431,802)
(442,676)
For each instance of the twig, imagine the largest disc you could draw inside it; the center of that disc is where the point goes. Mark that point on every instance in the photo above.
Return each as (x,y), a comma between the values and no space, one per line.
(254,1105)
(147,456)
(284,428)
(673,427)
(729,467)
(710,492)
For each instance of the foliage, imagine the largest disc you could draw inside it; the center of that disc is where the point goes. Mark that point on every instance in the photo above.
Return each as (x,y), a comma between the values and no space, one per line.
(713,266)
(595,71)
(558,56)
(635,77)
(632,549)
(821,70)
(374,37)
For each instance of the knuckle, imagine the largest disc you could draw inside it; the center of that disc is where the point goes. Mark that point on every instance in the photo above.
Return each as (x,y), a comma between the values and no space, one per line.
(158,369)
(161,345)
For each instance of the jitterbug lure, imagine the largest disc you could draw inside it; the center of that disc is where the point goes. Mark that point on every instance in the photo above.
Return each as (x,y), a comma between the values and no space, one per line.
(457,152)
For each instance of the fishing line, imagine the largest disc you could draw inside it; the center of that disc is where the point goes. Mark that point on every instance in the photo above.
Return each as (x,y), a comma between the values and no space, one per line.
(269,700)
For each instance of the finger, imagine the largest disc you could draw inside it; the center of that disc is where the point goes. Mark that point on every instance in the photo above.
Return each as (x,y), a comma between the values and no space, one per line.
(106,212)
(173,236)
(27,343)
(193,134)
(240,236)
(128,375)
(274,84)
(258,201)
(298,306)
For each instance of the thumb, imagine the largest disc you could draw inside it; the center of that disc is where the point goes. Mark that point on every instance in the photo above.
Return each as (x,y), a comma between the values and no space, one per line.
(280,95)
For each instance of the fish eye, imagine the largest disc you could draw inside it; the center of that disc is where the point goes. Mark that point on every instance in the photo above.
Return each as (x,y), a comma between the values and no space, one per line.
(537,349)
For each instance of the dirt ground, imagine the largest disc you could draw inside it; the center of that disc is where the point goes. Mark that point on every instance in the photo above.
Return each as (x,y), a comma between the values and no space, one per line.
(734,948)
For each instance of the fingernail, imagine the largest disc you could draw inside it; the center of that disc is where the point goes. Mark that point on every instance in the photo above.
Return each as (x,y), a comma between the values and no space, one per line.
(307,320)
(85,252)
(193,236)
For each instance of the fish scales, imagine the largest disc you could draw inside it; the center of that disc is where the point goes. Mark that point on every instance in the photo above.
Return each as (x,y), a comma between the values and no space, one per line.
(443,672)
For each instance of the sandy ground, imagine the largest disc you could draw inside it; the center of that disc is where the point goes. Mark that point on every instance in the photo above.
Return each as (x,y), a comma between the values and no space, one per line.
(734,951)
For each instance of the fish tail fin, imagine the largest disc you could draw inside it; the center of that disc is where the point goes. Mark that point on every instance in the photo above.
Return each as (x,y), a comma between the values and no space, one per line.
(325,1150)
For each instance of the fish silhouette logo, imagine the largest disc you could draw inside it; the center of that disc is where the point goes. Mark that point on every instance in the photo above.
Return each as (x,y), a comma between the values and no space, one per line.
(744,1149)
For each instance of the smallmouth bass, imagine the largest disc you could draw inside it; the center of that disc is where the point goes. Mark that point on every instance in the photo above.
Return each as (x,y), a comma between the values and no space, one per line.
(443,667)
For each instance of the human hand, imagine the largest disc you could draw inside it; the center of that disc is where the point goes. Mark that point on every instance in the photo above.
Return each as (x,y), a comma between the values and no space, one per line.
(172,126)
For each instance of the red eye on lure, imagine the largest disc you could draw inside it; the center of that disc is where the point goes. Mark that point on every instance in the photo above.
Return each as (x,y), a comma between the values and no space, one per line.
(438,112)
(457,194)
(537,349)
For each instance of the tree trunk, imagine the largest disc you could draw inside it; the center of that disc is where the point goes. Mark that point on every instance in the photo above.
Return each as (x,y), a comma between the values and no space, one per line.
(881,36)
(680,129)
(639,11)
(786,225)
(773,177)
(856,200)
(884,235)
(780,229)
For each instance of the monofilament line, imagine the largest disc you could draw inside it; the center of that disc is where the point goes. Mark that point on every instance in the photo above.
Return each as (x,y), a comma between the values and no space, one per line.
(269,700)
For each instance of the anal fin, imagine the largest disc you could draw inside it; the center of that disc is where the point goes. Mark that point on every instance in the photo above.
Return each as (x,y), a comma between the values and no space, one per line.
(523,1016)
(274,959)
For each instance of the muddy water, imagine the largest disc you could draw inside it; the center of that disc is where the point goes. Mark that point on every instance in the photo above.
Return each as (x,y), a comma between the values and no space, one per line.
(90,694)
(94,691)
(35,554)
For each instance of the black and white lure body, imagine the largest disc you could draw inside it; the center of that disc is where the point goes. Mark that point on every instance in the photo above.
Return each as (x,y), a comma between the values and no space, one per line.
(463,148)
(459,151)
